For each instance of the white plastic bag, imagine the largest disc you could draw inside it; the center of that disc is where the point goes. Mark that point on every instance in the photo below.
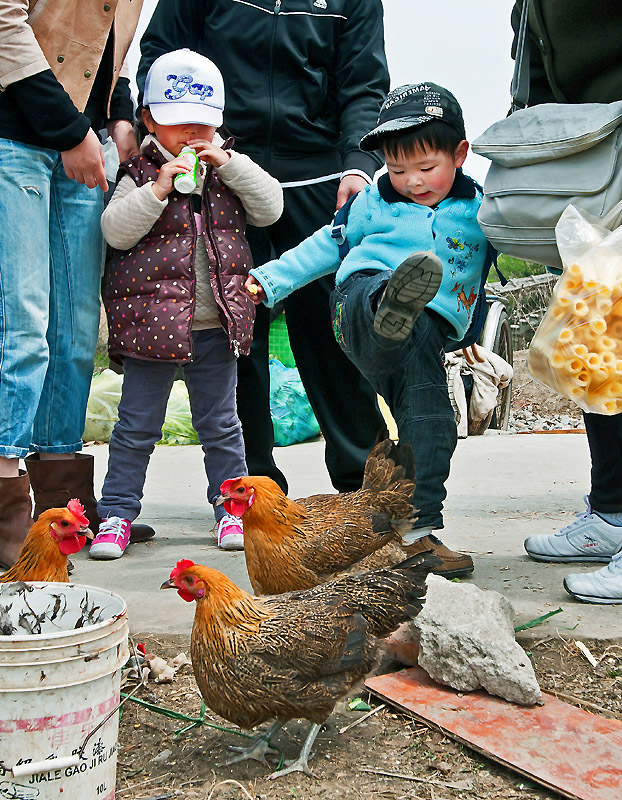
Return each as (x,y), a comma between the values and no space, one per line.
(577,349)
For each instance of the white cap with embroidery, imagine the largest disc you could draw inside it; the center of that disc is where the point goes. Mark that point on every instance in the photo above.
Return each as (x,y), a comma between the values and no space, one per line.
(183,86)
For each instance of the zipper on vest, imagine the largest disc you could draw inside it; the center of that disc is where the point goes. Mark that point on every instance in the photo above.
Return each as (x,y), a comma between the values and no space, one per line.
(208,235)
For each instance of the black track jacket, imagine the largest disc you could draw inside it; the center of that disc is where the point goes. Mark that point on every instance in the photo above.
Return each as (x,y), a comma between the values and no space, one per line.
(304,79)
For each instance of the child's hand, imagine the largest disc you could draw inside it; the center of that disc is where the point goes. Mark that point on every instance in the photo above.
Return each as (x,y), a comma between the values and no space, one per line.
(208,151)
(164,185)
(255,290)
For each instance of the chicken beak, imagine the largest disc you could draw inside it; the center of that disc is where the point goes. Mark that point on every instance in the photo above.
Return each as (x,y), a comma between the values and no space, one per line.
(169,584)
(221,499)
(87,532)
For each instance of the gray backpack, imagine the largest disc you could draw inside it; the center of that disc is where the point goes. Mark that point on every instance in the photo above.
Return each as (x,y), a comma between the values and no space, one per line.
(545,158)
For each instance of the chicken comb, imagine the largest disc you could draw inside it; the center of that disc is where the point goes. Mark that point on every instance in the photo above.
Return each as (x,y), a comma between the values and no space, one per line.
(77,509)
(225,485)
(180,566)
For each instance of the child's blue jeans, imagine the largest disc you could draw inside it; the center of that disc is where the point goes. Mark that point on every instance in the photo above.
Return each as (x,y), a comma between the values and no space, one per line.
(51,254)
(410,376)
(211,380)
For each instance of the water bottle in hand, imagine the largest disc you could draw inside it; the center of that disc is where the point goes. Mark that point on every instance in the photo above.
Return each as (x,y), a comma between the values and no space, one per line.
(186,182)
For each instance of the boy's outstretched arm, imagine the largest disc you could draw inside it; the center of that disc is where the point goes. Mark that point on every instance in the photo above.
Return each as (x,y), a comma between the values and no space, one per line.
(313,258)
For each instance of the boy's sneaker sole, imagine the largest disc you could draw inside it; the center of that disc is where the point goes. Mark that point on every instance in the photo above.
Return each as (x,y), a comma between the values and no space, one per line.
(410,288)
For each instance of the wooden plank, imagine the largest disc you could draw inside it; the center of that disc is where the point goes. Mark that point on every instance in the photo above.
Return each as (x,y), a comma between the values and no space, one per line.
(566,749)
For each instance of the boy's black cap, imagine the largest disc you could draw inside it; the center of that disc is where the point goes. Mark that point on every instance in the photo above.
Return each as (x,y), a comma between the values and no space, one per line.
(411,105)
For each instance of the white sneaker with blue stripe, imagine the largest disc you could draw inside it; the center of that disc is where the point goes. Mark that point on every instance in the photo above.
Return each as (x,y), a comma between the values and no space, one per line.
(588,538)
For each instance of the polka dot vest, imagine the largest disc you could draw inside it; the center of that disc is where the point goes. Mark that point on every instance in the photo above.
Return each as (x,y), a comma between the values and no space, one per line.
(149,290)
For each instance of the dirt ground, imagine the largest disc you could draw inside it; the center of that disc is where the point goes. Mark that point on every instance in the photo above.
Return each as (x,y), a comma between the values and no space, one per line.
(529,394)
(156,763)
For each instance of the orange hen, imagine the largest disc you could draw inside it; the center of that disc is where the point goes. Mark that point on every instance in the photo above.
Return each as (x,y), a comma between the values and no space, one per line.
(292,545)
(57,533)
(293,655)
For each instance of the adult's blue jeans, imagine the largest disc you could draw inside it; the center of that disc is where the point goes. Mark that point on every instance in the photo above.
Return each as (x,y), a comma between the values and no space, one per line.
(51,251)
(410,375)
(211,380)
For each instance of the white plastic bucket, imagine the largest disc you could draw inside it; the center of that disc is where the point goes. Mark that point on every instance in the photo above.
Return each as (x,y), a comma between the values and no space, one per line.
(62,647)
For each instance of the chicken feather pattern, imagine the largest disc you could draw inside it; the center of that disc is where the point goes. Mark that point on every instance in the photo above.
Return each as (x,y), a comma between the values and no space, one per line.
(299,544)
(293,655)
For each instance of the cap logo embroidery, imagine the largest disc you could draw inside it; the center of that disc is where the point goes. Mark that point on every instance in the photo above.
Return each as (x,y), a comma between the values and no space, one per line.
(435,111)
(396,97)
(182,84)
(320,4)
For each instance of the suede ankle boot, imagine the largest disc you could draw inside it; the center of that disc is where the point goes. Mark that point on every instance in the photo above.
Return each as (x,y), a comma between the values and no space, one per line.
(15,519)
(55,481)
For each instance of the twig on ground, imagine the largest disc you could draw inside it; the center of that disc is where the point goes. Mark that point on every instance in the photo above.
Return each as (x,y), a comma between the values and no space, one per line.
(363,718)
(572,699)
(142,783)
(404,777)
(235,783)
(586,652)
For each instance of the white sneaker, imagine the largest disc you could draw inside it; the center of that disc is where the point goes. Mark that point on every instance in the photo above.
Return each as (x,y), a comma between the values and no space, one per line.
(603,586)
(588,538)
(230,533)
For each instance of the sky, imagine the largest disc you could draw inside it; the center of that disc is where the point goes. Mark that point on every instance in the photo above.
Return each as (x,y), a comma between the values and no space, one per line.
(463,45)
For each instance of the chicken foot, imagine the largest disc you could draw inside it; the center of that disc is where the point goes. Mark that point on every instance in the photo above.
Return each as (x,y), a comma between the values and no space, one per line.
(300,764)
(258,749)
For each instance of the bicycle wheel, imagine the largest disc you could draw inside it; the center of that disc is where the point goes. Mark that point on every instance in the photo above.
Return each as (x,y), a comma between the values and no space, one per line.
(502,346)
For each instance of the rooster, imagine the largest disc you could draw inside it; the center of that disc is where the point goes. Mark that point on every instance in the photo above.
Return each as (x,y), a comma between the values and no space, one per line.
(294,655)
(57,533)
(291,545)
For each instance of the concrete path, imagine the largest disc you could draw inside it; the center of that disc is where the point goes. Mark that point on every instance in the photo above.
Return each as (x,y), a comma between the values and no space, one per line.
(502,488)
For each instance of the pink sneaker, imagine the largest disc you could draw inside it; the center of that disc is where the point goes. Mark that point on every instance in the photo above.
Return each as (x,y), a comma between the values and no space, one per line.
(112,539)
(230,533)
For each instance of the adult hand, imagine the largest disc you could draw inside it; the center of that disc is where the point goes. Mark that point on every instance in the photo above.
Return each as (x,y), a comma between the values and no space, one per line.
(122,133)
(208,151)
(254,290)
(350,184)
(85,162)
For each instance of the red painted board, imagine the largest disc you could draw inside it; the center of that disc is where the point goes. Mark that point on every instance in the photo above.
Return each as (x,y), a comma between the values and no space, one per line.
(573,752)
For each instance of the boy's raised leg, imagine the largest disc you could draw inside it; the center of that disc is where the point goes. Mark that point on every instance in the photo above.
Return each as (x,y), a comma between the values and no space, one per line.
(410,288)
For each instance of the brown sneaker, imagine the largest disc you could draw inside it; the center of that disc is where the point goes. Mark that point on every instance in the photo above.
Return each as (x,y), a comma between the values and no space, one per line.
(455,565)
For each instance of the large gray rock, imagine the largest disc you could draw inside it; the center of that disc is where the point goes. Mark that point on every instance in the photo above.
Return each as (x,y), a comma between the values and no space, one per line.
(466,640)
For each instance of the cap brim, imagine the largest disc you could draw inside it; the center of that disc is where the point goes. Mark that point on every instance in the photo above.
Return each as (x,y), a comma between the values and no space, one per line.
(371,140)
(183,113)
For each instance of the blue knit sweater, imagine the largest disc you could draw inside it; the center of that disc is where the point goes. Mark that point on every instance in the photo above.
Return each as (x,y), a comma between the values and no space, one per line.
(383,228)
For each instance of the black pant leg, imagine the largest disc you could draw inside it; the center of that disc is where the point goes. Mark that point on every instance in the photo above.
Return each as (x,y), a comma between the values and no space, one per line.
(604,436)
(342,399)
(253,392)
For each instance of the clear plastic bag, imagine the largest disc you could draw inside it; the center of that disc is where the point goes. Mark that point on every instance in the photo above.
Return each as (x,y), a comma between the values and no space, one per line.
(577,349)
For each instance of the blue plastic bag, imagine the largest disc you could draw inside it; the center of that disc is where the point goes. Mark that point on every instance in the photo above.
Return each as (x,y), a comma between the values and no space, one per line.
(292,416)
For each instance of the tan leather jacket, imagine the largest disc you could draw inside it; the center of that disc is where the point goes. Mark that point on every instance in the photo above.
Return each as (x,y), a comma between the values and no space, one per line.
(66,36)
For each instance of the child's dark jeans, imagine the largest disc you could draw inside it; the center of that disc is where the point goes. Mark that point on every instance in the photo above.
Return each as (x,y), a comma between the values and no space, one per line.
(211,381)
(411,378)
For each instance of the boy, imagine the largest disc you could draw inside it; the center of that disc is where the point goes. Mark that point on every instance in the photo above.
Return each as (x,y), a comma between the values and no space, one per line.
(174,288)
(392,321)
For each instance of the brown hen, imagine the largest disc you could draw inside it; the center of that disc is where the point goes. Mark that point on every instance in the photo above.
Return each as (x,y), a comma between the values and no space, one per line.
(57,533)
(293,655)
(291,545)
